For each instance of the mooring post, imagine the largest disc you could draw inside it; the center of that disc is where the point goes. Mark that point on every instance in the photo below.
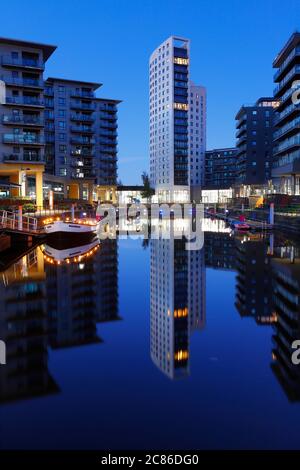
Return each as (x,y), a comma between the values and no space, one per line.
(73,212)
(271,215)
(20,218)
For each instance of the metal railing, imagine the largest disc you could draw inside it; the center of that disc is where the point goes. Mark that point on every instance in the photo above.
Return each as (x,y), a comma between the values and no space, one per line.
(13,221)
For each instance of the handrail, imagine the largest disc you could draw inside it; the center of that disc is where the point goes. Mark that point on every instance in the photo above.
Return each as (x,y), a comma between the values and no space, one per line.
(12,221)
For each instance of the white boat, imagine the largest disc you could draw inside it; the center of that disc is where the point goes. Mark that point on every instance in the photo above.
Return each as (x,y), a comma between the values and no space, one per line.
(63,228)
(72,254)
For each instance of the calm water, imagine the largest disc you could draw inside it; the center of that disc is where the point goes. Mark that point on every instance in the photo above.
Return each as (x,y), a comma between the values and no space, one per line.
(129,345)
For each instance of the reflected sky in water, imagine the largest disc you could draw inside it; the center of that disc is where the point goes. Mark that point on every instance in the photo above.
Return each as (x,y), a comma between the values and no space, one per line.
(126,344)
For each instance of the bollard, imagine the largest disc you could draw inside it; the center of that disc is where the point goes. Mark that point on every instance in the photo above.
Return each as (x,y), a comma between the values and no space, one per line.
(20,218)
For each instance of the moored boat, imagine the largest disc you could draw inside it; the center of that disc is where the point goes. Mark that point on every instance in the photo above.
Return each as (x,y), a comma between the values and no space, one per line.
(60,229)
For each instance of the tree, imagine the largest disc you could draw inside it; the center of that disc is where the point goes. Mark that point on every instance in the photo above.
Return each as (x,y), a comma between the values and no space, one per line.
(147,191)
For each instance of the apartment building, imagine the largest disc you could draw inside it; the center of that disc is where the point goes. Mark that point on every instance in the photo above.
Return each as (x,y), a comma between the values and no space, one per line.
(255,128)
(286,168)
(55,133)
(220,168)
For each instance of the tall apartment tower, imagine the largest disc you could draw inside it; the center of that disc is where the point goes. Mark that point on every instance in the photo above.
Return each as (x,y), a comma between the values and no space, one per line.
(286,168)
(22,110)
(255,128)
(197,137)
(169,102)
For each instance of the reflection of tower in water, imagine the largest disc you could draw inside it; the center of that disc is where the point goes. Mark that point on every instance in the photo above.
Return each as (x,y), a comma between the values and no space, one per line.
(177,302)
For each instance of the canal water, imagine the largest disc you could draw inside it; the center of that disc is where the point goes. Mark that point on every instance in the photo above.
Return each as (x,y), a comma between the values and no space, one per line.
(134,344)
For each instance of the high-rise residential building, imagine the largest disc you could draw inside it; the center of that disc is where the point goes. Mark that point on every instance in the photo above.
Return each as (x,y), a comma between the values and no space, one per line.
(286,168)
(255,128)
(56,133)
(22,108)
(197,137)
(169,102)
(220,168)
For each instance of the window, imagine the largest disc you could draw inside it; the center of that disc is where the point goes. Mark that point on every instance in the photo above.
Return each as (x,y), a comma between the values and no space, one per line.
(61,113)
(14,55)
(62,172)
(61,101)
(61,124)
(61,89)
(62,136)
(62,148)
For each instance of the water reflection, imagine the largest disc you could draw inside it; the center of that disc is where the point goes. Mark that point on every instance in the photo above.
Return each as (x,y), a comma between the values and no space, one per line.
(177,290)
(53,298)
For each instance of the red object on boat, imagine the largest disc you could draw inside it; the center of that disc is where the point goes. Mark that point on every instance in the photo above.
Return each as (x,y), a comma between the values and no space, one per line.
(242,218)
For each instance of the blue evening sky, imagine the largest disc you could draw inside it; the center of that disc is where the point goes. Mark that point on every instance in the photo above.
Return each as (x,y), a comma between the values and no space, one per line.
(233,44)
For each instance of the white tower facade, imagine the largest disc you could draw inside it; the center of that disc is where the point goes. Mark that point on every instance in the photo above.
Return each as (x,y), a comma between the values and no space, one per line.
(169,103)
(197,136)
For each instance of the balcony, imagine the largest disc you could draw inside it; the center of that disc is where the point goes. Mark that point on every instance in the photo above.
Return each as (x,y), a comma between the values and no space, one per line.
(108,133)
(23,82)
(82,117)
(82,129)
(25,157)
(84,106)
(22,139)
(80,141)
(108,125)
(27,63)
(295,71)
(24,120)
(241,130)
(84,174)
(29,101)
(85,154)
(108,116)
(288,60)
(288,128)
(82,94)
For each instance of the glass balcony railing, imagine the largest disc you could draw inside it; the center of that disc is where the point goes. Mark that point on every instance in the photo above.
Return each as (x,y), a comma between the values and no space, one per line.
(26,120)
(82,94)
(82,117)
(22,139)
(23,82)
(24,100)
(80,105)
(294,53)
(295,70)
(78,140)
(22,62)
(23,157)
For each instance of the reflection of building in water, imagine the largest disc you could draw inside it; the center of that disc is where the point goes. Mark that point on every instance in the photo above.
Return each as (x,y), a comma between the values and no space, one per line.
(177,302)
(254,281)
(23,327)
(286,274)
(80,294)
(219,251)
(46,301)
(106,264)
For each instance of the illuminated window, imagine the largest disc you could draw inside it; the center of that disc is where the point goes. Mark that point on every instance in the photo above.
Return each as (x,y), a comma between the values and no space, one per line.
(181,61)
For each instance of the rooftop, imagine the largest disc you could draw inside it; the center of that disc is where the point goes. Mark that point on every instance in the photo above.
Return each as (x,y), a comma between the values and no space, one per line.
(293,41)
(93,85)
(47,49)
